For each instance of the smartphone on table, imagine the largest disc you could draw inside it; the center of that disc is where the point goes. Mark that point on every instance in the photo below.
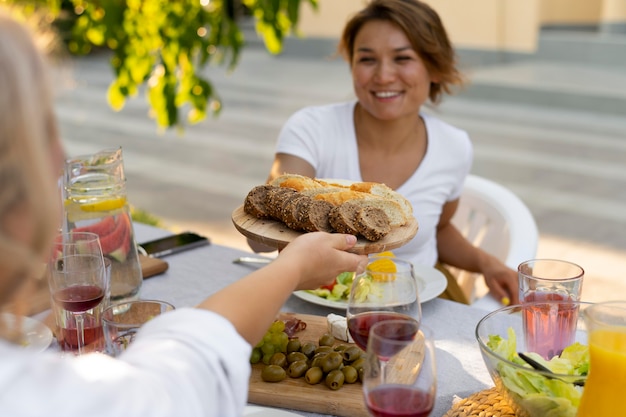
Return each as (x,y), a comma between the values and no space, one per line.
(168,245)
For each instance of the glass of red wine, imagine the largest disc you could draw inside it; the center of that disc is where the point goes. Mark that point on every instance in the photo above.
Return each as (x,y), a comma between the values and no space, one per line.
(78,277)
(387,290)
(399,372)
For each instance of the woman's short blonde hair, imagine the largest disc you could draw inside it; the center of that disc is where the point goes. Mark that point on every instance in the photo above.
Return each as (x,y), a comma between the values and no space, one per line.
(423,28)
(27,132)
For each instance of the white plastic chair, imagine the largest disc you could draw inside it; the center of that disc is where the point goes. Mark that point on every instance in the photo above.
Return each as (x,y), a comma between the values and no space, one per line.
(493,218)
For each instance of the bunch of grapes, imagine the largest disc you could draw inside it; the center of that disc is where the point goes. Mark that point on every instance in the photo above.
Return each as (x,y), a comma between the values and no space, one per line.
(275,340)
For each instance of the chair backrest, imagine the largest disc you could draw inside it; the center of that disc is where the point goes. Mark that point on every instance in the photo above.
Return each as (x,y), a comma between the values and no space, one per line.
(493,218)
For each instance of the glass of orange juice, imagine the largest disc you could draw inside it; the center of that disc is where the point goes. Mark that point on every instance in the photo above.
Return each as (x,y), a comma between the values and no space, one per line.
(604,390)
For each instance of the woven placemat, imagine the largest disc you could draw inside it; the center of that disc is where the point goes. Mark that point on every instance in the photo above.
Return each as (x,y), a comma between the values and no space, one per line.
(487,403)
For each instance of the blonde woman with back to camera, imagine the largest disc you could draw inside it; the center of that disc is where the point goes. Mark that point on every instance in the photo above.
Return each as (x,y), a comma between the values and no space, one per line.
(190,362)
(400,58)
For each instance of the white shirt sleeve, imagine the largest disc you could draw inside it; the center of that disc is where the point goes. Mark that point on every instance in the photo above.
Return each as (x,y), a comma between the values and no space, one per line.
(188,362)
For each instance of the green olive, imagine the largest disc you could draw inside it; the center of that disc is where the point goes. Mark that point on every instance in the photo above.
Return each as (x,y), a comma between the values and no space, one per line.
(334,380)
(340,348)
(351,375)
(279,359)
(293,345)
(332,361)
(313,375)
(358,364)
(351,354)
(296,356)
(326,349)
(297,369)
(308,349)
(256,355)
(361,372)
(326,340)
(273,373)
(317,359)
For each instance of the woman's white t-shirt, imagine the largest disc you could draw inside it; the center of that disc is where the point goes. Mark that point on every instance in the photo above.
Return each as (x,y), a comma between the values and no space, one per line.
(324,136)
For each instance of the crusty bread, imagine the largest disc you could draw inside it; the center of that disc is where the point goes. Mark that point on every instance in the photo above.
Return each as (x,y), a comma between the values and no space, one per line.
(372,223)
(390,207)
(308,204)
(384,191)
(297,182)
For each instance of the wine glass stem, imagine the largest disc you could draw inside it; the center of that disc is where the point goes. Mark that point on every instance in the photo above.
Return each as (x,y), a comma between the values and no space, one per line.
(80,332)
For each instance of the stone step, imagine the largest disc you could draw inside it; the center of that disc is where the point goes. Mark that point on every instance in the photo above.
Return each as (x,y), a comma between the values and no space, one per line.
(580,47)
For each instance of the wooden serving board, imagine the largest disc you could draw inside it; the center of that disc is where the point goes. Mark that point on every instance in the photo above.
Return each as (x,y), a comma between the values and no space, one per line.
(276,234)
(296,394)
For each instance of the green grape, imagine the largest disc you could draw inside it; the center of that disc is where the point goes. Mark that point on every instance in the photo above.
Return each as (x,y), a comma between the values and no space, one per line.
(256,355)
(268,349)
(277,327)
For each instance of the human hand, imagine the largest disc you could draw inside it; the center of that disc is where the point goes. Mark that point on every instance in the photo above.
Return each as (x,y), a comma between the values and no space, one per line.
(502,282)
(320,257)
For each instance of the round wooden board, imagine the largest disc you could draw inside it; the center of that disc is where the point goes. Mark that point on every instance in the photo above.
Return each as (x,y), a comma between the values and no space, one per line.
(277,235)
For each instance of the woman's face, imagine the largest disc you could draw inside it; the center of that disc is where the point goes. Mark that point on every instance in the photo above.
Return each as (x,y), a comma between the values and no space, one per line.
(390,79)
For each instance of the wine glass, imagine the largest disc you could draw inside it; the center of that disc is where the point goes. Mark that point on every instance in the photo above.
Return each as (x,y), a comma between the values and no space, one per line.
(386,290)
(78,277)
(399,376)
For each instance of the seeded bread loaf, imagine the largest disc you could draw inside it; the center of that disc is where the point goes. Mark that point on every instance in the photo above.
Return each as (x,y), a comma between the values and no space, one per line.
(313,216)
(255,202)
(342,218)
(372,223)
(275,199)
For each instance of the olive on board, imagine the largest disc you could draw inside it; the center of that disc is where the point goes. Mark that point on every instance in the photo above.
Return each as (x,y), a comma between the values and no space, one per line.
(273,373)
(351,375)
(340,348)
(334,380)
(331,361)
(308,349)
(296,356)
(297,369)
(326,340)
(317,359)
(325,349)
(358,364)
(351,354)
(313,375)
(293,345)
(280,359)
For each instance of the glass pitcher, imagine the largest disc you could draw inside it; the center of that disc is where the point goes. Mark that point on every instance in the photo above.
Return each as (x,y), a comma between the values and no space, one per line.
(94,189)
(604,390)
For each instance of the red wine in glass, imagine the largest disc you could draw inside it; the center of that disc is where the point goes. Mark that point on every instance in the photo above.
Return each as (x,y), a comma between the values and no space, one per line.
(399,401)
(359,326)
(79,298)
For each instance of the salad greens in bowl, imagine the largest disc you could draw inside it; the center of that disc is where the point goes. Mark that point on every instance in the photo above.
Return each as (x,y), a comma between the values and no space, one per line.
(532,392)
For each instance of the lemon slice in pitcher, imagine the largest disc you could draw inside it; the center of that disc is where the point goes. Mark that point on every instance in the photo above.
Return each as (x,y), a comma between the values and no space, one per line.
(109,204)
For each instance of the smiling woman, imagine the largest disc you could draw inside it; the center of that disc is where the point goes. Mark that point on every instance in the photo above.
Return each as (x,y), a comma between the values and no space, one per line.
(400,58)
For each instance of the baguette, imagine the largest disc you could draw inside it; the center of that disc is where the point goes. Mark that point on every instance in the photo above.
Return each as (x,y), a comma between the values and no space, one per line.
(384,191)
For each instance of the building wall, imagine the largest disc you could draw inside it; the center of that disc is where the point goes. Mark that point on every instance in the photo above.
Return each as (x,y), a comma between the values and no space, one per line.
(484,25)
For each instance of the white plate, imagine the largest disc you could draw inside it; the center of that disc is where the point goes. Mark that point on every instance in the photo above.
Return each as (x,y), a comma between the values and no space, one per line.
(36,335)
(257,411)
(430,283)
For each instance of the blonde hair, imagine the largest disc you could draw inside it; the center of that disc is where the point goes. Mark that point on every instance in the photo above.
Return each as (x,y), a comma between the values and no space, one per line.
(27,133)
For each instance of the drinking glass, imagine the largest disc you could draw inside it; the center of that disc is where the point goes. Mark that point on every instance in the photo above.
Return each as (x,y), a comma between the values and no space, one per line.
(122,321)
(387,290)
(550,327)
(603,394)
(79,286)
(399,374)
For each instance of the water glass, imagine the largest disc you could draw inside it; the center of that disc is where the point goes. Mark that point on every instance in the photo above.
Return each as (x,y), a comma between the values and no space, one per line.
(122,321)
(550,327)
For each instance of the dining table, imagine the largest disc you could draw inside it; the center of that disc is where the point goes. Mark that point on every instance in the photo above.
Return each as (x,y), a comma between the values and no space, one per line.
(194,274)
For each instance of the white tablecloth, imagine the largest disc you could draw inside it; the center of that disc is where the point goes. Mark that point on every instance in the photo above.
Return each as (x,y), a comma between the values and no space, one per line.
(197,273)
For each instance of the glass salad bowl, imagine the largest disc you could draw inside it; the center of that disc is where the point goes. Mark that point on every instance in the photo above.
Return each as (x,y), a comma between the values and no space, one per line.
(554,392)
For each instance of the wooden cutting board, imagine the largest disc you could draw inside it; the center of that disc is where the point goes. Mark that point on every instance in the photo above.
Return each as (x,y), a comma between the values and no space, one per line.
(296,394)
(277,235)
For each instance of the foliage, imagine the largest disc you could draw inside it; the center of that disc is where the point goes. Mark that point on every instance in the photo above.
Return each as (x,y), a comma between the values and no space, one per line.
(165,45)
